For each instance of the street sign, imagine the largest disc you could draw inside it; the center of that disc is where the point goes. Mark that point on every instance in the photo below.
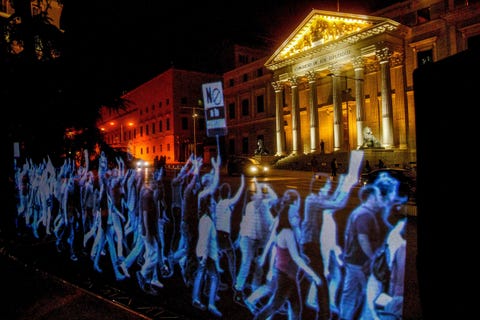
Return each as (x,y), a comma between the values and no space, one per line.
(215,120)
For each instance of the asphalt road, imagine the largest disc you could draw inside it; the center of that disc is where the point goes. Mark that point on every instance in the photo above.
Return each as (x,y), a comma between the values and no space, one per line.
(40,283)
(30,293)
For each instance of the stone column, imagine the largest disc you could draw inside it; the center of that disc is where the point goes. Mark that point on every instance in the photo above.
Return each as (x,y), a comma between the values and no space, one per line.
(386,89)
(312,111)
(296,134)
(358,66)
(279,128)
(337,113)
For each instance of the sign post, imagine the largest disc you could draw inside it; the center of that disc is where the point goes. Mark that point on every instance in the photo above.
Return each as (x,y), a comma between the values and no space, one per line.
(215,120)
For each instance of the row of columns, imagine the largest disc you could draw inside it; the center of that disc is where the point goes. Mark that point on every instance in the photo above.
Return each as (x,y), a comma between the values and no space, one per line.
(383,56)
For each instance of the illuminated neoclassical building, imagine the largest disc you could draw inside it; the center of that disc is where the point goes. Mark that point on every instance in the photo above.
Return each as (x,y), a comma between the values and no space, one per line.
(336,76)
(339,75)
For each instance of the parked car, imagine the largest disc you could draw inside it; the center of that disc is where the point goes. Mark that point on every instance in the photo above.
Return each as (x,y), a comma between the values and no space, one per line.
(407,179)
(247,166)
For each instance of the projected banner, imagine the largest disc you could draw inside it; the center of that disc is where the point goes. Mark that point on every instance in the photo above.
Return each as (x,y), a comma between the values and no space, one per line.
(214,109)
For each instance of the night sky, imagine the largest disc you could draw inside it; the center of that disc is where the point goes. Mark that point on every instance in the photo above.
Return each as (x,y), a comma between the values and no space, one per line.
(128,42)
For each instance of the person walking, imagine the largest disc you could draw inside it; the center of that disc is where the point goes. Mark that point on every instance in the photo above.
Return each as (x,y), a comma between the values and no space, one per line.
(288,262)
(381,164)
(334,167)
(253,235)
(366,230)
(367,167)
(314,164)
(208,258)
(225,207)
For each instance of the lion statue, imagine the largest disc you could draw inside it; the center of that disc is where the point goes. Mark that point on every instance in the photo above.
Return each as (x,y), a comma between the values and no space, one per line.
(369,140)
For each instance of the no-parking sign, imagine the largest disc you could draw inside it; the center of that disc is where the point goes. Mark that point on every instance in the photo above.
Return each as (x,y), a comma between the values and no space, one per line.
(215,120)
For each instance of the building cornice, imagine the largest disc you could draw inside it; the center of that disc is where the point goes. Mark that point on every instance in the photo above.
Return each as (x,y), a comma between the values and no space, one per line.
(323,32)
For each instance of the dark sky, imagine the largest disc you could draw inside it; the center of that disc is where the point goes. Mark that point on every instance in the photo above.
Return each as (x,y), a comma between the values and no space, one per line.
(129,42)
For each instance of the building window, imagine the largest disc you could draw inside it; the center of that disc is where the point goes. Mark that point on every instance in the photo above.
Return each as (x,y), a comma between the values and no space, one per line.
(245,106)
(141,131)
(167,102)
(167,124)
(161,147)
(231,146)
(260,104)
(160,126)
(185,123)
(160,104)
(231,110)
(147,149)
(245,77)
(473,42)
(243,58)
(231,82)
(146,130)
(424,57)
(259,72)
(245,145)
(424,51)
(153,149)
(153,128)
(423,15)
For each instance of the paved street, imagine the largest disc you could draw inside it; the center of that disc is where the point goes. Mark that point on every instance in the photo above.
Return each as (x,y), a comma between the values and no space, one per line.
(30,293)
(41,283)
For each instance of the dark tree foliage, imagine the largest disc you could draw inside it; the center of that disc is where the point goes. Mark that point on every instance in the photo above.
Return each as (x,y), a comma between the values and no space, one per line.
(52,79)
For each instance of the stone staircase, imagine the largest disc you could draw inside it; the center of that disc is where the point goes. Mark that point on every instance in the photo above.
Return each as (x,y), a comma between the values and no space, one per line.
(391,158)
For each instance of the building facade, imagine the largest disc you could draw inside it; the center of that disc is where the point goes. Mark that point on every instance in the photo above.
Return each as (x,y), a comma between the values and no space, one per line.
(347,80)
(340,80)
(163,118)
(250,108)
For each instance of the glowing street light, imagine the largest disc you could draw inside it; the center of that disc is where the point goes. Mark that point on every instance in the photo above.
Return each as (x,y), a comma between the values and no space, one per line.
(195,116)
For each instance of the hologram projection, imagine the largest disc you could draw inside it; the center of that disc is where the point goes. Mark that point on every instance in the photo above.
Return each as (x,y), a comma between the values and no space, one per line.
(282,257)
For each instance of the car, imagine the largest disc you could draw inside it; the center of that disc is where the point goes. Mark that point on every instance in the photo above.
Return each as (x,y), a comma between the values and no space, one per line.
(247,166)
(406,177)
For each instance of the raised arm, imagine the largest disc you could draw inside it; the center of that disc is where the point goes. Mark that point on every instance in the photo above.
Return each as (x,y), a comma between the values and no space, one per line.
(238,194)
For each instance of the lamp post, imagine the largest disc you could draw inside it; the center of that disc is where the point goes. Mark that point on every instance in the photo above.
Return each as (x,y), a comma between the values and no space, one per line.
(195,116)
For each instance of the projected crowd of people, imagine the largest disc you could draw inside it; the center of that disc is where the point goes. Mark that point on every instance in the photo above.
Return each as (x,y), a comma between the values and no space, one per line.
(285,259)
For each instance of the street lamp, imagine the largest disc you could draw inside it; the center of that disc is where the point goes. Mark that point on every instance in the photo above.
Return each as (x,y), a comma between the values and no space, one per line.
(195,116)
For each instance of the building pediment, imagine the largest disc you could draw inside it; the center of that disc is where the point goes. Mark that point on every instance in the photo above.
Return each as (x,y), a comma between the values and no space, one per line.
(324,30)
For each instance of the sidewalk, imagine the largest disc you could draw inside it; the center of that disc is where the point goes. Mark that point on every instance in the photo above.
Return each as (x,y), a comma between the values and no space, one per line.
(39,283)
(29,293)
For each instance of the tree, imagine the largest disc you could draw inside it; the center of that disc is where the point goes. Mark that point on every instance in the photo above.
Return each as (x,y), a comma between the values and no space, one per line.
(50,79)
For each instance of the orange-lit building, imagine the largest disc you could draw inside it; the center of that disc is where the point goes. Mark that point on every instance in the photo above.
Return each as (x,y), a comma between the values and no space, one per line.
(336,76)
(339,74)
(163,117)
